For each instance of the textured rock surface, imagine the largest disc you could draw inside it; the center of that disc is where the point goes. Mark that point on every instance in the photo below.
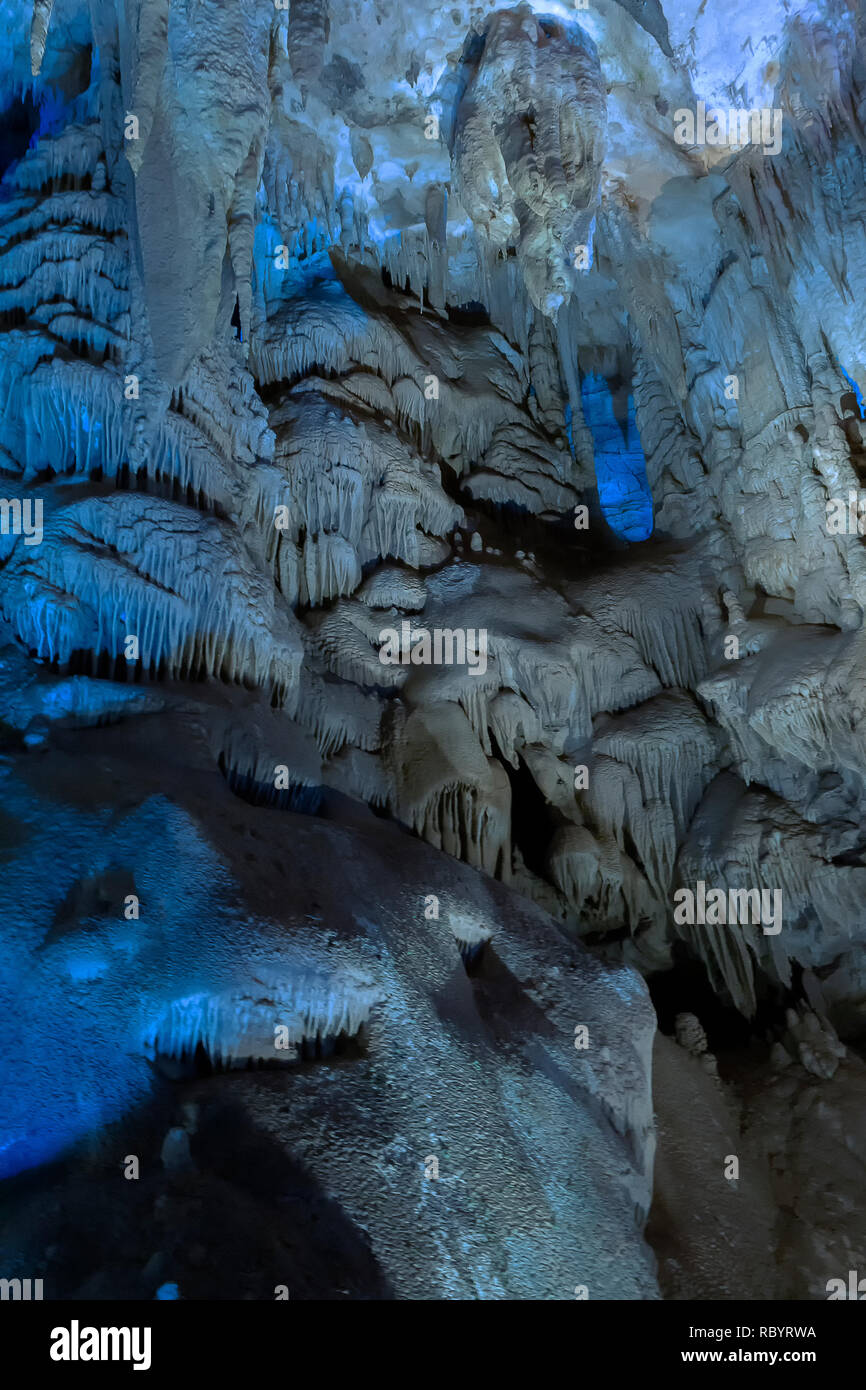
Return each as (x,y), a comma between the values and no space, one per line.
(261,920)
(319,321)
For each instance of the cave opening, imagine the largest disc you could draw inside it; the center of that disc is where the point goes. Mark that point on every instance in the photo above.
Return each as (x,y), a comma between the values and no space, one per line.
(471,314)
(686,988)
(533,821)
(620,465)
(19,123)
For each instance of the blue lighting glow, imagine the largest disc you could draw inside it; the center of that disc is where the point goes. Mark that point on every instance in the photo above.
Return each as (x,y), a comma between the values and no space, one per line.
(620,466)
(858,394)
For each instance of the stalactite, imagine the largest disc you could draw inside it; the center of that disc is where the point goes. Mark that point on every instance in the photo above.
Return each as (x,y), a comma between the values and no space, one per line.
(234,1027)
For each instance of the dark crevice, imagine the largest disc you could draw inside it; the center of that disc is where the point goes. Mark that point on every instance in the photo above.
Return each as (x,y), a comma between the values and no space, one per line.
(686,988)
(19,123)
(533,821)
(298,796)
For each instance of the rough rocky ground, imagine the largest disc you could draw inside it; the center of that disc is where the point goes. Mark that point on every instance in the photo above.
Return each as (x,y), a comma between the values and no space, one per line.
(321,320)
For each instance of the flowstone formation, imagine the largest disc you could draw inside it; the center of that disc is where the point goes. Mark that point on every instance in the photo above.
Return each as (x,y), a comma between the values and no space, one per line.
(431,600)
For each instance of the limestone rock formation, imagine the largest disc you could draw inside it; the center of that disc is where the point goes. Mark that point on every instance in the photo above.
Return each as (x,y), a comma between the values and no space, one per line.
(433,451)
